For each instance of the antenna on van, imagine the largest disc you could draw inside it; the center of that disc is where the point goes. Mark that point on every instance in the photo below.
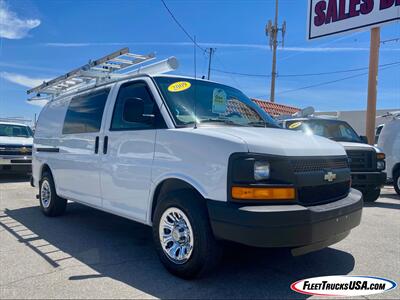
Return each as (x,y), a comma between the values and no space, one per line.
(119,65)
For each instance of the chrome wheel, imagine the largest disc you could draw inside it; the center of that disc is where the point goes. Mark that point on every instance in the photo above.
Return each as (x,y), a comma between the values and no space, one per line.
(176,235)
(45,194)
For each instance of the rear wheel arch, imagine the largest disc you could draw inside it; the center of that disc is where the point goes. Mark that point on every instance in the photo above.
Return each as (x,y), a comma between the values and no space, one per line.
(168,186)
(46,169)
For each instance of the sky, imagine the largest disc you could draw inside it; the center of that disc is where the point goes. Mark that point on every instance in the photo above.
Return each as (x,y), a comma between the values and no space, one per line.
(43,39)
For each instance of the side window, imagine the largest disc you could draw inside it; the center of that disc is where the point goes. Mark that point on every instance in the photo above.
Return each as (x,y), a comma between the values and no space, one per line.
(85,113)
(135,109)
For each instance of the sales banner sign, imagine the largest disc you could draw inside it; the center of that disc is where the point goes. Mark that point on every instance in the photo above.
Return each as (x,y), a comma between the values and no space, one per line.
(328,17)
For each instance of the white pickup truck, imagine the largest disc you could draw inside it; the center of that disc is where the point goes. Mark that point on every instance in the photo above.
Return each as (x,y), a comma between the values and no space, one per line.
(196,160)
(15,148)
(367,163)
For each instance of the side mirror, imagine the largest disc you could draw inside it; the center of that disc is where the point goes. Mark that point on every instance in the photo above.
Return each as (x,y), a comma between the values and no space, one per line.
(364,139)
(134,111)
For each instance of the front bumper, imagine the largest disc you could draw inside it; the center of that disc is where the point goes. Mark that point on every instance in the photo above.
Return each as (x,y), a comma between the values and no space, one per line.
(290,225)
(15,164)
(365,180)
(15,160)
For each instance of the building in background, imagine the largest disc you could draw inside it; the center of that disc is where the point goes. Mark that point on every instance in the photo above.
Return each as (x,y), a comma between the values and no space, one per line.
(275,109)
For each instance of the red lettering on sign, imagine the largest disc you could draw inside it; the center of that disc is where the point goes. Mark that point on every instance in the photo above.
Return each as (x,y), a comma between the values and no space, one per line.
(367,6)
(331,13)
(353,12)
(319,19)
(386,4)
(342,10)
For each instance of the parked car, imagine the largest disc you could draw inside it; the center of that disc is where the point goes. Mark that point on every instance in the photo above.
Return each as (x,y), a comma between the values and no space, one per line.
(15,148)
(196,160)
(367,163)
(389,141)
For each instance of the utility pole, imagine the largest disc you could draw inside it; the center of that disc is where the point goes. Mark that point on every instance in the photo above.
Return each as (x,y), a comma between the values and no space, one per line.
(272,32)
(210,52)
(372,84)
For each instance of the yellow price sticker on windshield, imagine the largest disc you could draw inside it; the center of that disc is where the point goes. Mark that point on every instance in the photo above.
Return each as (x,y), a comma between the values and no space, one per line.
(294,125)
(179,86)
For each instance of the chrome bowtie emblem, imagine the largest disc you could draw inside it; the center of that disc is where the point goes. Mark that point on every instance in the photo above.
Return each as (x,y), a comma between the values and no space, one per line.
(330,176)
(24,150)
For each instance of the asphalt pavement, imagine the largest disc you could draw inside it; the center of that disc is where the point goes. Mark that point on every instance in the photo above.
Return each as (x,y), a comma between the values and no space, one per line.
(91,254)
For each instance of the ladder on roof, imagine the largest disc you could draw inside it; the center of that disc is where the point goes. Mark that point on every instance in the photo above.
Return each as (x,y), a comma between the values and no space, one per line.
(118,65)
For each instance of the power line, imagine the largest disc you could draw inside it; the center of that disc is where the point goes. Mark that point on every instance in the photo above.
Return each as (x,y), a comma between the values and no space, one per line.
(332,81)
(240,74)
(390,40)
(181,27)
(304,74)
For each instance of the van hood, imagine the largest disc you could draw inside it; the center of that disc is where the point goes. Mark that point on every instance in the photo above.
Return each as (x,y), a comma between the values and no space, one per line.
(14,140)
(277,141)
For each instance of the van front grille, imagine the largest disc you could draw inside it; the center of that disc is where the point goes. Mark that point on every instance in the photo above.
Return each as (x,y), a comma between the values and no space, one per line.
(15,150)
(320,164)
(361,160)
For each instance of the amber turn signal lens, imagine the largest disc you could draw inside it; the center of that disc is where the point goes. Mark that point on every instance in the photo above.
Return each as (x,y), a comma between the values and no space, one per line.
(257,193)
(380,155)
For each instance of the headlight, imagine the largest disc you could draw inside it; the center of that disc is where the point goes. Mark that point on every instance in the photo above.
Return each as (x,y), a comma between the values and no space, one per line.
(380,165)
(261,170)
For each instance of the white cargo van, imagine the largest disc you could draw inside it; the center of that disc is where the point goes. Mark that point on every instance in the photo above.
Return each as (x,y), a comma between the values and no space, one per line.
(389,142)
(196,160)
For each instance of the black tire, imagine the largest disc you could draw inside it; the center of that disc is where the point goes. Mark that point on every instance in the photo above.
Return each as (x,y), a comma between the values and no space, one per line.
(206,251)
(396,181)
(54,206)
(371,195)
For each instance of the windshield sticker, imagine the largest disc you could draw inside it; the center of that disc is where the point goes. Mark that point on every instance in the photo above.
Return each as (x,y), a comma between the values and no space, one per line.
(219,102)
(179,86)
(294,125)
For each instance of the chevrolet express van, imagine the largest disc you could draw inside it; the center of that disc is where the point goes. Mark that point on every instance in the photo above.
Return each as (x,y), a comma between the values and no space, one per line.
(196,160)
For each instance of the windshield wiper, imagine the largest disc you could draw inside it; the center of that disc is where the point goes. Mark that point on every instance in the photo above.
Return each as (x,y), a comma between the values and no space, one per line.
(263,124)
(258,123)
(219,120)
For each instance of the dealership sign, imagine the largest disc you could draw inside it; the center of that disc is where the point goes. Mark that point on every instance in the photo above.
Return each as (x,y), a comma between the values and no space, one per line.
(328,17)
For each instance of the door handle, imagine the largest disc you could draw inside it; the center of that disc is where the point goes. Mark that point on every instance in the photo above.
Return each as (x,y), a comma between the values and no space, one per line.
(105,145)
(96,145)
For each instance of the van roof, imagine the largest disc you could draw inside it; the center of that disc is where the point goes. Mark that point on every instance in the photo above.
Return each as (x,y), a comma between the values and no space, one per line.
(12,123)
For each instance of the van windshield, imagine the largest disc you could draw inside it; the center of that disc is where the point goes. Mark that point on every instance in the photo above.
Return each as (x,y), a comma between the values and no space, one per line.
(203,102)
(15,130)
(338,131)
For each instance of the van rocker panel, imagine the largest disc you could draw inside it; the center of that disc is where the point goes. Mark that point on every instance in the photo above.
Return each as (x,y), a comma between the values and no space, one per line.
(289,225)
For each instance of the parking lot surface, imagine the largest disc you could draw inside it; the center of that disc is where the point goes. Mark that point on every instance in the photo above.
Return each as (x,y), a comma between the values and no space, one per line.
(91,254)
